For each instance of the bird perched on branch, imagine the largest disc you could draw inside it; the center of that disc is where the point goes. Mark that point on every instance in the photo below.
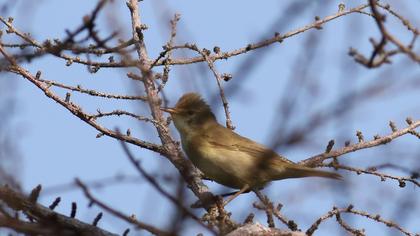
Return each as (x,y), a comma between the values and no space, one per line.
(227,157)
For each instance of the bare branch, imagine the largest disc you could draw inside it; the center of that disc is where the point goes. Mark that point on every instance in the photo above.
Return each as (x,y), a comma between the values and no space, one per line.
(51,221)
(131,220)
(318,159)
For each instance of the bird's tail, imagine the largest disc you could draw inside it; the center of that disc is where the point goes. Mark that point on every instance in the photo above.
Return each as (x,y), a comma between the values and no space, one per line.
(298,171)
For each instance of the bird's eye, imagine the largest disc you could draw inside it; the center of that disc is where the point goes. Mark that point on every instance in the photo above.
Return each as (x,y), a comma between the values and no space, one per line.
(190,112)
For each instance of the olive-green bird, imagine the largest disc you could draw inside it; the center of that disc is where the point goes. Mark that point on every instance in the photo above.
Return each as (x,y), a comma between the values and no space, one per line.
(225,156)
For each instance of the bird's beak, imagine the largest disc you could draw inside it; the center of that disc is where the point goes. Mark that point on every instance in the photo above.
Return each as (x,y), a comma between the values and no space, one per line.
(169,110)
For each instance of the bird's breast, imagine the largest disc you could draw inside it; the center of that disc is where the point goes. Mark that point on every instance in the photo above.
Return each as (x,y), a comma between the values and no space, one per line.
(229,167)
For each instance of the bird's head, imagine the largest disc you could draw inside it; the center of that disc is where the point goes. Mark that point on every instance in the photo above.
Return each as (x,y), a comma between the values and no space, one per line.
(191,113)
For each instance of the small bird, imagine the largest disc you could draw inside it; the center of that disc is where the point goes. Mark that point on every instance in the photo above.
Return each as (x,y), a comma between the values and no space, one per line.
(227,157)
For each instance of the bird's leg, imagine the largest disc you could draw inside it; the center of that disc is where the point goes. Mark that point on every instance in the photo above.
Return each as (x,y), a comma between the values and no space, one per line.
(243,189)
(232,193)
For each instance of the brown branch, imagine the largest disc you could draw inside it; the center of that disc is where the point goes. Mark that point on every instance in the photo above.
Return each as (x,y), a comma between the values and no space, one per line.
(404,21)
(219,79)
(131,220)
(168,57)
(267,207)
(121,112)
(401,180)
(271,210)
(348,228)
(172,150)
(266,42)
(157,186)
(184,61)
(75,109)
(25,227)
(414,173)
(91,92)
(379,19)
(336,211)
(45,217)
(318,159)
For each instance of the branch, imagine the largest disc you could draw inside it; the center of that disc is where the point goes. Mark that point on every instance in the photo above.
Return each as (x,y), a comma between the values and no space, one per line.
(267,42)
(401,180)
(157,186)
(379,18)
(172,150)
(91,92)
(318,159)
(75,109)
(179,61)
(45,217)
(336,212)
(131,220)
(210,62)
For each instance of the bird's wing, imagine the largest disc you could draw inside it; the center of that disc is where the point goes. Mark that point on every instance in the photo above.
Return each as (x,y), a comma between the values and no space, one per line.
(225,138)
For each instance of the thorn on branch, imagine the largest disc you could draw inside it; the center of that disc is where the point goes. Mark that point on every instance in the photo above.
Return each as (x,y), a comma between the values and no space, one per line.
(330,146)
(216,49)
(94,69)
(359,135)
(67,100)
(69,62)
(97,219)
(206,52)
(33,197)
(192,46)
(409,120)
(393,126)
(226,77)
(38,75)
(134,76)
(318,26)
(55,203)
(73,209)
(292,225)
(401,183)
(139,33)
(249,219)
(341,7)
(334,163)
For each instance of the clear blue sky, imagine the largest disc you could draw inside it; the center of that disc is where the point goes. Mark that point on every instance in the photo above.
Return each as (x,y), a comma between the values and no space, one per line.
(56,147)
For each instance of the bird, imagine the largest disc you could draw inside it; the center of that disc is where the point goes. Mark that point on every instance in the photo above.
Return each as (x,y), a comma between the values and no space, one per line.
(227,157)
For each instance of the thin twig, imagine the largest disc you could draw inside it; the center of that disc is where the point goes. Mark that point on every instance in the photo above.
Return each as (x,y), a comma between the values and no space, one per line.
(156,185)
(75,109)
(51,220)
(401,180)
(318,159)
(118,214)
(91,91)
(350,210)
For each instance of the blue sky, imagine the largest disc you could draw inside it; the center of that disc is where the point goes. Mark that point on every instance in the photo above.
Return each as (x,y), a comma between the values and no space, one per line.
(57,147)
